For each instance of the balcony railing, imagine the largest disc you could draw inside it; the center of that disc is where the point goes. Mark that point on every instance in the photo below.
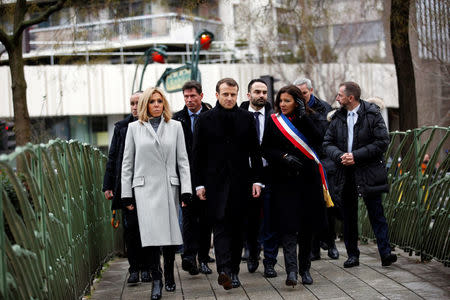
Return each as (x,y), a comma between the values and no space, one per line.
(120,32)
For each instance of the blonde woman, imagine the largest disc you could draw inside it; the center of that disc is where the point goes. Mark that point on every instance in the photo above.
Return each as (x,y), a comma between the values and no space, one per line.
(154,151)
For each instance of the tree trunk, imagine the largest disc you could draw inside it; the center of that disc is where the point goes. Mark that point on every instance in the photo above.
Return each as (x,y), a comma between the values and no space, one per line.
(406,83)
(22,125)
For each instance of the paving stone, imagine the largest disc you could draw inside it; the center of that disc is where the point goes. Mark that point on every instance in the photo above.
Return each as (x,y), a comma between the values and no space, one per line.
(406,279)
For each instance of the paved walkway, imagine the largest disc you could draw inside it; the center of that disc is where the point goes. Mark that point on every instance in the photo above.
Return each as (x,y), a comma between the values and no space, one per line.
(406,279)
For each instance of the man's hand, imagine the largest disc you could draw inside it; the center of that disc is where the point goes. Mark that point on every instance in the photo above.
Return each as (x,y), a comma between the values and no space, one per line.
(201,194)
(347,159)
(109,194)
(130,207)
(256,190)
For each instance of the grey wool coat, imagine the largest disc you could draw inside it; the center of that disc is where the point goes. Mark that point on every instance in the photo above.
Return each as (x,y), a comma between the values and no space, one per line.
(149,167)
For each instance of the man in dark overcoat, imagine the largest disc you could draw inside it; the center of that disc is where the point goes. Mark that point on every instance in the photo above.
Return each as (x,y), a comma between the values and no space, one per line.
(321,109)
(112,189)
(196,228)
(261,109)
(356,140)
(224,139)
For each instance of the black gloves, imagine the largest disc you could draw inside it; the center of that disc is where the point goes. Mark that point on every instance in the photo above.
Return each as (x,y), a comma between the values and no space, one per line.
(293,162)
(186,198)
(300,110)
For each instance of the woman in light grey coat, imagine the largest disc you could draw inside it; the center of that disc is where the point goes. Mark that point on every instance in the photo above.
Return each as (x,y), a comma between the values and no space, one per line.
(155,167)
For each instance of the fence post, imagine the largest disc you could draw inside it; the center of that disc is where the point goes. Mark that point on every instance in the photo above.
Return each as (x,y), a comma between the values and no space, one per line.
(3,287)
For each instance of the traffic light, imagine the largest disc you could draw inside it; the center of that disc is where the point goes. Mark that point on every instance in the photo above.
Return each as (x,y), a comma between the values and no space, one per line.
(7,137)
(205,39)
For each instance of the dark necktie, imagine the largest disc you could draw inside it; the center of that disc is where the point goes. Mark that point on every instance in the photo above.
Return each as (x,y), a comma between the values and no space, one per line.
(194,120)
(256,115)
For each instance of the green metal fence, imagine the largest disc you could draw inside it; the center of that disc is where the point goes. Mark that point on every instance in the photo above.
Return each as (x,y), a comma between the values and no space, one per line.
(417,207)
(55,227)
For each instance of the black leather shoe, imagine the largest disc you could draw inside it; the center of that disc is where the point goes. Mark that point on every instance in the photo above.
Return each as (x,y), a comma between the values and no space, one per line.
(235,283)
(291,279)
(211,260)
(204,269)
(333,252)
(133,278)
(145,276)
(189,265)
(314,256)
(224,280)
(252,265)
(388,260)
(306,277)
(352,261)
(170,285)
(269,271)
(157,289)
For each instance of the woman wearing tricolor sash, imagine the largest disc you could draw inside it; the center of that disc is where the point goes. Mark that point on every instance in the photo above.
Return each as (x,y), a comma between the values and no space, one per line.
(300,192)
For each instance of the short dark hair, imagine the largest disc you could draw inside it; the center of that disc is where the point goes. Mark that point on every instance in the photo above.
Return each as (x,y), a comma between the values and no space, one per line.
(192,84)
(296,93)
(351,88)
(253,81)
(227,81)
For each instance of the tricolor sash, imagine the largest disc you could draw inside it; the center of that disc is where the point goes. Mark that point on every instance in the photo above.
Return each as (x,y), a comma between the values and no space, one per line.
(301,143)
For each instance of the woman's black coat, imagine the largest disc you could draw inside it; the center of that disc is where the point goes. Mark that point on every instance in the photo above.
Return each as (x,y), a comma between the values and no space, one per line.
(297,199)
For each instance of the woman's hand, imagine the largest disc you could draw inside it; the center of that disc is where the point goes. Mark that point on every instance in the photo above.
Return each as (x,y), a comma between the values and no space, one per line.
(130,207)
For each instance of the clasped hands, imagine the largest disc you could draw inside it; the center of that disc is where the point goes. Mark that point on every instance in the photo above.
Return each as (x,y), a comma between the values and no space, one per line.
(347,159)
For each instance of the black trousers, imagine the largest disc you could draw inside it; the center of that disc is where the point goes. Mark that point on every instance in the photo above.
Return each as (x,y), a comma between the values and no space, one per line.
(252,225)
(145,258)
(289,242)
(328,234)
(350,214)
(137,257)
(228,243)
(196,231)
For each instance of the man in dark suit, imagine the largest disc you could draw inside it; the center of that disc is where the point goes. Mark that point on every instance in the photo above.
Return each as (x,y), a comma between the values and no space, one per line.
(261,109)
(356,141)
(224,139)
(321,108)
(196,229)
(112,190)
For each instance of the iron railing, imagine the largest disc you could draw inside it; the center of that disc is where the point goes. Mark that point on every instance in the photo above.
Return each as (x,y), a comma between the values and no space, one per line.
(55,227)
(417,207)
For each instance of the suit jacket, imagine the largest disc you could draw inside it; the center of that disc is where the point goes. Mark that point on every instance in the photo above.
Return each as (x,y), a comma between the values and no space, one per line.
(185,119)
(269,111)
(149,167)
(223,142)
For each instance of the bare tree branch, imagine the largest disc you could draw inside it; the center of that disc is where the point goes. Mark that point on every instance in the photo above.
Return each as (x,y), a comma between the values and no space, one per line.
(39,19)
(5,39)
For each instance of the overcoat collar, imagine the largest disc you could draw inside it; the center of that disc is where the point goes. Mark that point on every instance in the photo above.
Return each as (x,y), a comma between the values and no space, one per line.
(157,136)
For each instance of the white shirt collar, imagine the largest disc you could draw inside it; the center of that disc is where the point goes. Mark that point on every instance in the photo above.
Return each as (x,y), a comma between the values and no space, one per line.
(262,110)
(355,110)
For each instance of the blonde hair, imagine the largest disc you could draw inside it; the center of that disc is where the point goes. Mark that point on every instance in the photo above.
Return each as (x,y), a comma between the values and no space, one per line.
(143,113)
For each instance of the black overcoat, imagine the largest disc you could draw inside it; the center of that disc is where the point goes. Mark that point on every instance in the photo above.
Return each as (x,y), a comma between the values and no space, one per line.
(113,172)
(224,140)
(370,141)
(297,196)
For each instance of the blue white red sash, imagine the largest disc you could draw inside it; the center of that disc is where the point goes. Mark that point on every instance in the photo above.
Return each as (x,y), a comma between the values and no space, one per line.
(301,143)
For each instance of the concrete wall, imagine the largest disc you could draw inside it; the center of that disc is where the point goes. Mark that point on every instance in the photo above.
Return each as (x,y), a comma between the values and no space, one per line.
(69,90)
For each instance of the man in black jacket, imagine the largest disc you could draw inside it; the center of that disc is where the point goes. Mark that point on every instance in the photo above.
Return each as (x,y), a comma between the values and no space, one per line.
(224,140)
(196,229)
(321,109)
(356,140)
(261,109)
(112,190)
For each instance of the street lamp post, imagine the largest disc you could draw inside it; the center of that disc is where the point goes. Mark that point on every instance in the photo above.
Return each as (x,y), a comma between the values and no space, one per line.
(154,54)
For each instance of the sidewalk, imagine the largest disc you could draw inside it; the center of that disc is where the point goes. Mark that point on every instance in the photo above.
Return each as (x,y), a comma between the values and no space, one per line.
(406,279)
